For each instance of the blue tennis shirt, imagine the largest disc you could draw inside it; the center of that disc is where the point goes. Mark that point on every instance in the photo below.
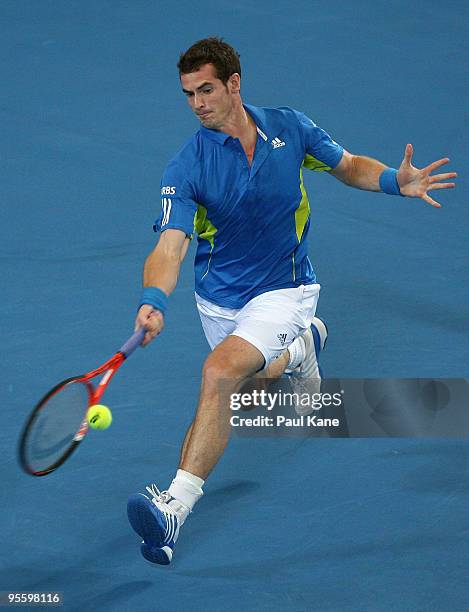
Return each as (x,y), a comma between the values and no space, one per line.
(251,221)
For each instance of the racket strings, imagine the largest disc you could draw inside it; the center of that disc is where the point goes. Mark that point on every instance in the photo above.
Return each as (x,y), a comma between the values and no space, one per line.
(52,431)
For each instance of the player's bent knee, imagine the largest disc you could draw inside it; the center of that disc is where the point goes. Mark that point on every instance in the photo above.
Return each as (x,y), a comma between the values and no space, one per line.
(217,369)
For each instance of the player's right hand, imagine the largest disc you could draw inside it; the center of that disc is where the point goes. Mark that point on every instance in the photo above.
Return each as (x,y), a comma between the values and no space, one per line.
(152,320)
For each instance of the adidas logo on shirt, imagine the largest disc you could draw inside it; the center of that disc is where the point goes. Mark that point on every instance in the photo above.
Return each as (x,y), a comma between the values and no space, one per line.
(282,337)
(276,143)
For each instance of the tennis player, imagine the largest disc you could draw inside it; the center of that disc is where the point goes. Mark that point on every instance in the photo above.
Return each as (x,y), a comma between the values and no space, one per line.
(238,184)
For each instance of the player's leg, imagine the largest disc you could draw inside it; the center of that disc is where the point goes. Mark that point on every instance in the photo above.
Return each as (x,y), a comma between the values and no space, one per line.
(231,363)
(218,323)
(288,317)
(255,343)
(300,356)
(265,325)
(259,381)
(258,324)
(185,443)
(157,517)
(269,374)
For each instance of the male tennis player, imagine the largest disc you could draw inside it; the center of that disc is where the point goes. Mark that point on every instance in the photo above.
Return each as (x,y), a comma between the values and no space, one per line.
(238,184)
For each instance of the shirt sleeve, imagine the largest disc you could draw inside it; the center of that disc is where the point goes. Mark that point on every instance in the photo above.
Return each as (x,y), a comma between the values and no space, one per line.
(322,153)
(178,206)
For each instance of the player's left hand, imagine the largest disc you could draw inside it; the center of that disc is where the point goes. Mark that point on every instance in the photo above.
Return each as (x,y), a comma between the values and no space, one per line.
(416,183)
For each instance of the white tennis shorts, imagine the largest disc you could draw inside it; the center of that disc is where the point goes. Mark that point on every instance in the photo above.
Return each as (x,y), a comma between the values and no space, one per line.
(270,321)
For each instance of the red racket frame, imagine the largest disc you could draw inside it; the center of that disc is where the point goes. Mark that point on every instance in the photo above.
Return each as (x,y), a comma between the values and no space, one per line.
(108,369)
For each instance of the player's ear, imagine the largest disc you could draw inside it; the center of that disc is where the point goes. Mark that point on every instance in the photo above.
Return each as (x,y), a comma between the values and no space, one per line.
(235,83)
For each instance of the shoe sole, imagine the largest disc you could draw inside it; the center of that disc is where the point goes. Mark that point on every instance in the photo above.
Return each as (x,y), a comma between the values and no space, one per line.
(144,522)
(153,554)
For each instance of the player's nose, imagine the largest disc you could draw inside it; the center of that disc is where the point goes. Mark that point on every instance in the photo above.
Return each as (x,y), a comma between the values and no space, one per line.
(198,102)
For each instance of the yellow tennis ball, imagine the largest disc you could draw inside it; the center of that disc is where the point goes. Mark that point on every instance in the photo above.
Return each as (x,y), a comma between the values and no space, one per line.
(99,416)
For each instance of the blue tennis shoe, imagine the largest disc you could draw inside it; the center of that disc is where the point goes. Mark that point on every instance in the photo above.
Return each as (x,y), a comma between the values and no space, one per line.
(155,522)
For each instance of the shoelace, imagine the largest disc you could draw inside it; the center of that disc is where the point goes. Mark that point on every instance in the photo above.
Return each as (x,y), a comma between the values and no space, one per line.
(161,497)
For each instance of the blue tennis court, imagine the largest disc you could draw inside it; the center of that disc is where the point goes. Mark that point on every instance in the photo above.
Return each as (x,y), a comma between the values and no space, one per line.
(91,112)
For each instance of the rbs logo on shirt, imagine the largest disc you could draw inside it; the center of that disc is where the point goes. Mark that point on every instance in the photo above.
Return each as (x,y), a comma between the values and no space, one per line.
(168,190)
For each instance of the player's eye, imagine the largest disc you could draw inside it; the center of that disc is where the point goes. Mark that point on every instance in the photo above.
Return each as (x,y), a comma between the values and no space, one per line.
(207,90)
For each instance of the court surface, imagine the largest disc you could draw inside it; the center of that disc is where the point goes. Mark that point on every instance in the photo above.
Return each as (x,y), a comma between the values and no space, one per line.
(91,111)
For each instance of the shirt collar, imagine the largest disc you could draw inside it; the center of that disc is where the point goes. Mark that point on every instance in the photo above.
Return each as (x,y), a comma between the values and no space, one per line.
(215,135)
(258,114)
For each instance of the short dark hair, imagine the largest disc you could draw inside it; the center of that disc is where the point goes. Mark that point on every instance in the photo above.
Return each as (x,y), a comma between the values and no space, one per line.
(211,51)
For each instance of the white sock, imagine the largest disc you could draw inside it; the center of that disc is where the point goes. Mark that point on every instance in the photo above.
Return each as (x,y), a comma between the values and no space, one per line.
(186,489)
(297,350)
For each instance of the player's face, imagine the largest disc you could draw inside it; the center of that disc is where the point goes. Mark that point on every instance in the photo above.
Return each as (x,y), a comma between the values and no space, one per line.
(210,99)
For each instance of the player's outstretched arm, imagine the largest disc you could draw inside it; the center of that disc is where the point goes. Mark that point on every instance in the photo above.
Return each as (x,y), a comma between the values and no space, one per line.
(160,275)
(370,174)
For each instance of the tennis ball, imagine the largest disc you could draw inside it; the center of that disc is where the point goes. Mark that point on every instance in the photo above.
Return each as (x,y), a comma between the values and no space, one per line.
(99,416)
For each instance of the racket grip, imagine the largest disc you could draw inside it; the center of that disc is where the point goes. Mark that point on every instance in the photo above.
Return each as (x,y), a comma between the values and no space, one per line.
(133,342)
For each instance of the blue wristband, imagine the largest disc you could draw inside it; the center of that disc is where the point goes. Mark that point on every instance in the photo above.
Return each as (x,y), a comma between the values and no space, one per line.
(155,297)
(388,182)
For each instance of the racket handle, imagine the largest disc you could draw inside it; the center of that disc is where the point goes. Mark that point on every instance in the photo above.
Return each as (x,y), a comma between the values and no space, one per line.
(133,342)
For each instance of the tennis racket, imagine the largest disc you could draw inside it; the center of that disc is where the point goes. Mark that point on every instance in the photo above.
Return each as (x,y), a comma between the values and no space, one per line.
(58,423)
